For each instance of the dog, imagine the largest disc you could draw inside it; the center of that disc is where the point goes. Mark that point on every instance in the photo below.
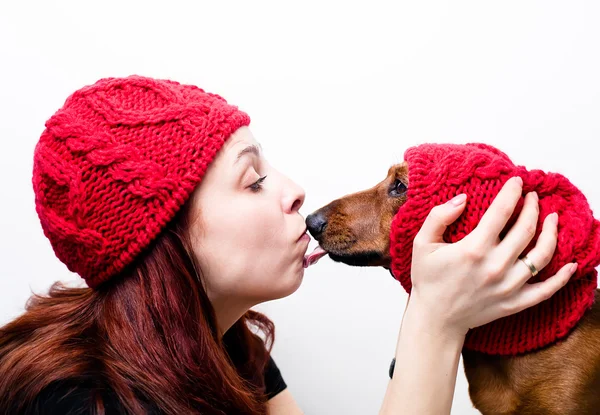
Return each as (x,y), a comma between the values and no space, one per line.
(561,379)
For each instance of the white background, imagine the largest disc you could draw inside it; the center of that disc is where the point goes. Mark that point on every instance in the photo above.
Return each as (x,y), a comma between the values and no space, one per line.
(336,93)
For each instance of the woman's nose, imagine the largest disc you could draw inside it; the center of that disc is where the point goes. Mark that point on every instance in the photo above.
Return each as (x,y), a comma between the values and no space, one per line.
(294,198)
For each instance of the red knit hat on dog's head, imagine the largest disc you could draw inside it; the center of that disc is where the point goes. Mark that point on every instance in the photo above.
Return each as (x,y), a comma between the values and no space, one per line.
(116,163)
(438,172)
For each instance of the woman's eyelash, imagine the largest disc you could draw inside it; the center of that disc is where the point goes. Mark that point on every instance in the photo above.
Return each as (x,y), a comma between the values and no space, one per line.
(257,186)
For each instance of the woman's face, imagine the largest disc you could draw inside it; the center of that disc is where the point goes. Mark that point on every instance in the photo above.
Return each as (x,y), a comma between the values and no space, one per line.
(246,230)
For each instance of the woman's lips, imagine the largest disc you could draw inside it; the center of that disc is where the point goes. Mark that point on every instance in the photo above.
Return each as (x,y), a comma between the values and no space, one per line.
(304,237)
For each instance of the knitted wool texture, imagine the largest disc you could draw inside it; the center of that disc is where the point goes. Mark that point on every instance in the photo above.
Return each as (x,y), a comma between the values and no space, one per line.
(116,163)
(438,172)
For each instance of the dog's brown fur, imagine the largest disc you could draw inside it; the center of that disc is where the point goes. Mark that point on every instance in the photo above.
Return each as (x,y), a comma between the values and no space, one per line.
(562,379)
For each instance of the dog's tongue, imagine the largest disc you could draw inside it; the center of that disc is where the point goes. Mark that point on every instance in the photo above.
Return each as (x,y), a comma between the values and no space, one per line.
(314,256)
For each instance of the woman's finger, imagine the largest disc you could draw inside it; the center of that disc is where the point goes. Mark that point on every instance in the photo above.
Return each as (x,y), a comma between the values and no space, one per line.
(439,218)
(497,215)
(540,255)
(522,232)
(532,294)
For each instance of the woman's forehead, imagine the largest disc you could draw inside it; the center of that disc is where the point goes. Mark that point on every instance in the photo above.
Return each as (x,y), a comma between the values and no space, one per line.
(240,143)
(242,137)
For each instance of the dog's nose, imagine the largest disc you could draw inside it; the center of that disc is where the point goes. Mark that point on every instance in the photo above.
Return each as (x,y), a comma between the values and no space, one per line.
(316,223)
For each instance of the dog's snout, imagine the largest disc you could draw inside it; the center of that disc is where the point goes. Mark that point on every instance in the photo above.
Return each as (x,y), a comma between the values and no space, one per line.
(316,223)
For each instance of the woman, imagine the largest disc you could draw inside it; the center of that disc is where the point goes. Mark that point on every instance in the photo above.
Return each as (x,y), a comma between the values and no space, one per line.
(157,194)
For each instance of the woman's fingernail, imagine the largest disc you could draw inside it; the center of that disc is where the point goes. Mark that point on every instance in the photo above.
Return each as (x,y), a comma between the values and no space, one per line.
(519,180)
(535,196)
(554,218)
(458,200)
(573,268)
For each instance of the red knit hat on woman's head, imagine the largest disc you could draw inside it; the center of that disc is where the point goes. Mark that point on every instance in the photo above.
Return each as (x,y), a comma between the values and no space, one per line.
(116,163)
(438,172)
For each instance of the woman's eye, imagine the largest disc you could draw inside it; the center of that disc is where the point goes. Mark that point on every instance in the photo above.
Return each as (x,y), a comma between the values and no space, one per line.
(398,189)
(257,185)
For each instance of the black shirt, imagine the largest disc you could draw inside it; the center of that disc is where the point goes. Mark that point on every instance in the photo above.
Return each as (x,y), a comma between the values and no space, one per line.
(74,397)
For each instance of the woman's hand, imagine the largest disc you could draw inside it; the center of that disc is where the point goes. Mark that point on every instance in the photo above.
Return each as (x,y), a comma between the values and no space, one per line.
(480,278)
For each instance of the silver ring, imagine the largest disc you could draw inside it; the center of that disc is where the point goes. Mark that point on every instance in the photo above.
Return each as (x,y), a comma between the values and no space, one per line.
(530,265)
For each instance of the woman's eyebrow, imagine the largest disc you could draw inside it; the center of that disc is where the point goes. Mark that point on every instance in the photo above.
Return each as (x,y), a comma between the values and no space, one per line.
(251,149)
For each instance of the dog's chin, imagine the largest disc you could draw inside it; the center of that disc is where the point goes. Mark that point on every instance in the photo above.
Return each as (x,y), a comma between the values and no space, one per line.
(360,259)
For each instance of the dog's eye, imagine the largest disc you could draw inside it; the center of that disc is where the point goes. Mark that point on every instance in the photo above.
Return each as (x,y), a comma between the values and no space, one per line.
(398,189)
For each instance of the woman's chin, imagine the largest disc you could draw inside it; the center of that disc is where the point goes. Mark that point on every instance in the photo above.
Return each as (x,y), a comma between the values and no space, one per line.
(289,284)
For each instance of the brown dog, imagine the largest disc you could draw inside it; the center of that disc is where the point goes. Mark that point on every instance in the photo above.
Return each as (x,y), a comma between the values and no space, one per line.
(562,379)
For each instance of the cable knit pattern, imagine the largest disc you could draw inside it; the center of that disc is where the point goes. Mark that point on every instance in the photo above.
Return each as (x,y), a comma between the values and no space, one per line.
(438,172)
(116,163)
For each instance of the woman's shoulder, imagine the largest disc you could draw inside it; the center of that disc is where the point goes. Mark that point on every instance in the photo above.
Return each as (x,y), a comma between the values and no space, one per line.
(75,396)
(80,396)
(274,382)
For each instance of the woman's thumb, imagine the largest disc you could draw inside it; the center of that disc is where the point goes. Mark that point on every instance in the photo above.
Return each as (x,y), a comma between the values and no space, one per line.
(439,218)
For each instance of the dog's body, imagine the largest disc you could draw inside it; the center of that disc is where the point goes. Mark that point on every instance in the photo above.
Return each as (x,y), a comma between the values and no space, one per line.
(561,379)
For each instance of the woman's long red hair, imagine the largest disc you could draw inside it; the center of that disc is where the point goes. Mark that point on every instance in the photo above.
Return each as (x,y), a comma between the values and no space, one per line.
(148,335)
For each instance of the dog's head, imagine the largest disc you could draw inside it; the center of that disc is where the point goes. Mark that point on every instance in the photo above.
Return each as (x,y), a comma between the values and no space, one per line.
(377,227)
(355,229)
